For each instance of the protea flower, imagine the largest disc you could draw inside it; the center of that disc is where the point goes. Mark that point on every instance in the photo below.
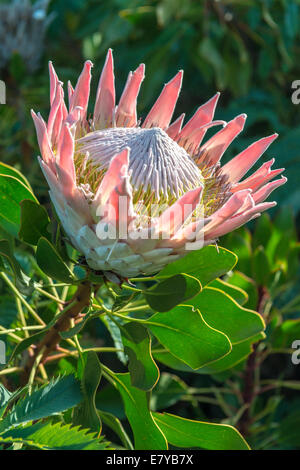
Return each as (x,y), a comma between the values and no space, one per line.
(172,188)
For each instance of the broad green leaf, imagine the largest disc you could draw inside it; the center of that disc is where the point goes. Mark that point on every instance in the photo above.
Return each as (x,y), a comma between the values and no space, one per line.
(59,395)
(188,433)
(244,282)
(115,424)
(206,264)
(193,287)
(235,292)
(21,280)
(224,314)
(115,333)
(147,435)
(34,222)
(167,293)
(238,353)
(144,373)
(51,263)
(172,291)
(48,436)
(86,414)
(184,332)
(11,171)
(12,192)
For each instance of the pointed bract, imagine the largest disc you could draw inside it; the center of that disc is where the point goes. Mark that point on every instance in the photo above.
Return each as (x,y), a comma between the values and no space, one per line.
(162,111)
(126,111)
(105,99)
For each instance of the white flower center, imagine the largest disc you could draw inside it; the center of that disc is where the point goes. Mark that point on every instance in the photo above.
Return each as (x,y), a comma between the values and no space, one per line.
(157,163)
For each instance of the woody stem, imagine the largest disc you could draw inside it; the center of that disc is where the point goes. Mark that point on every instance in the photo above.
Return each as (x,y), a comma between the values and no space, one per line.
(52,338)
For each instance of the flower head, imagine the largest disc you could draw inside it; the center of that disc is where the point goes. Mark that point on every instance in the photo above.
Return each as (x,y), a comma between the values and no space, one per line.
(133,195)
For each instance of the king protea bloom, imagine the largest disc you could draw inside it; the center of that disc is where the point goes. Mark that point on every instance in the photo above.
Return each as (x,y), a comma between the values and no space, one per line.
(134,195)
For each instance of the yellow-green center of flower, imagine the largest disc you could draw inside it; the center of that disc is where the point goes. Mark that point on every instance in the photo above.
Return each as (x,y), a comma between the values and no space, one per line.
(160,170)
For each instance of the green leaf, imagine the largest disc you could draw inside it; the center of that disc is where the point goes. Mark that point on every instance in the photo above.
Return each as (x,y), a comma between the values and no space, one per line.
(172,291)
(12,192)
(115,425)
(59,395)
(205,265)
(51,263)
(187,433)
(6,397)
(115,333)
(86,414)
(235,292)
(144,373)
(244,282)
(184,332)
(147,435)
(224,314)
(167,293)
(11,171)
(238,353)
(48,436)
(21,280)
(193,287)
(34,222)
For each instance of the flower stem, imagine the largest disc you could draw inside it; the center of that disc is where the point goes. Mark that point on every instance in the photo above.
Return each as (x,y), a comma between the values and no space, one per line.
(251,371)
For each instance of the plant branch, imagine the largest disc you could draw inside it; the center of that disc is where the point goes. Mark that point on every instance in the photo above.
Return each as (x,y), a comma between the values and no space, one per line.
(249,391)
(80,300)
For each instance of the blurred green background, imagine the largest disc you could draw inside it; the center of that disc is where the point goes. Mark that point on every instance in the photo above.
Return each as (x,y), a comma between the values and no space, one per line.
(246,49)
